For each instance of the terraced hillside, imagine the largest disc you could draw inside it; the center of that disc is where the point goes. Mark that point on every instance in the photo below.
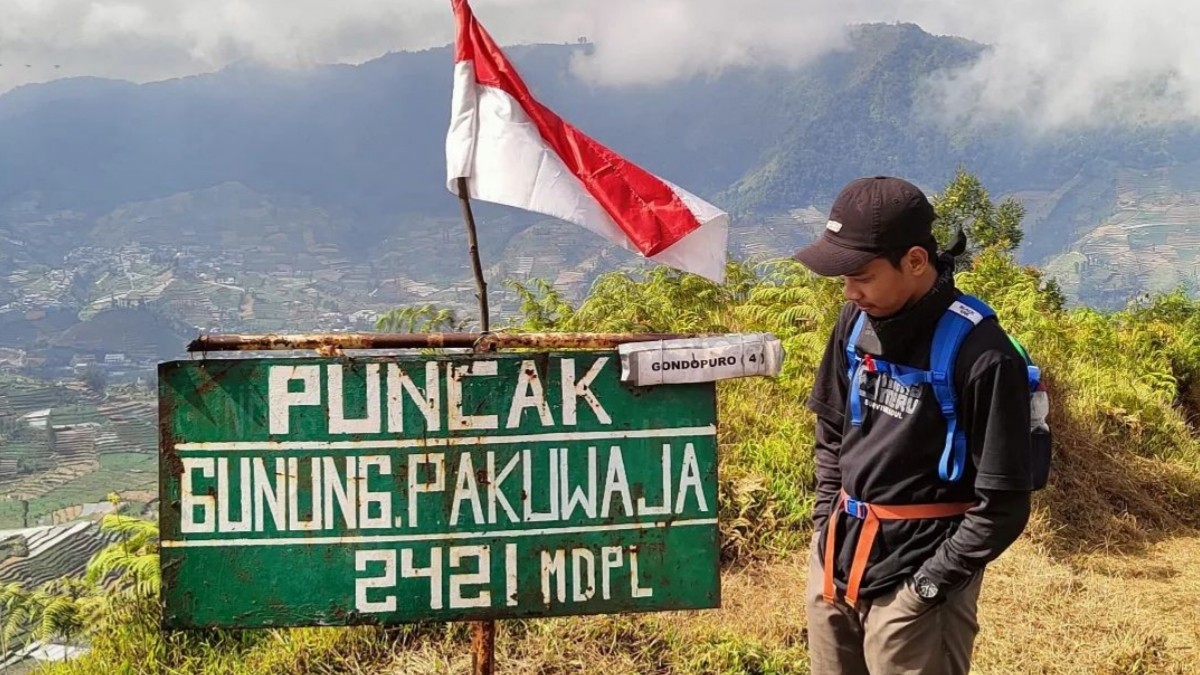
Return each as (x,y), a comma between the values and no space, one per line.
(1149,244)
(53,552)
(34,556)
(25,439)
(72,454)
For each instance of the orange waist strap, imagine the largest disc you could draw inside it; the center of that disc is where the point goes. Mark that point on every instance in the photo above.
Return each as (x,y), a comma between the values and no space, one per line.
(871,515)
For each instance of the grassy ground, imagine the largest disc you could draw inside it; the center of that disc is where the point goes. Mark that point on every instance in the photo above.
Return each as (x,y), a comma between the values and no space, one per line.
(1102,613)
(1105,613)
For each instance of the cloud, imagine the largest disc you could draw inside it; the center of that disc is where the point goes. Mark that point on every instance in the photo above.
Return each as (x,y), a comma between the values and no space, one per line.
(1050,64)
(646,43)
(1072,62)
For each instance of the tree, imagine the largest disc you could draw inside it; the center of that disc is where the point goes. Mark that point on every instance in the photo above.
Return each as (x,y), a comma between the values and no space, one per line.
(95,379)
(966,205)
(1054,294)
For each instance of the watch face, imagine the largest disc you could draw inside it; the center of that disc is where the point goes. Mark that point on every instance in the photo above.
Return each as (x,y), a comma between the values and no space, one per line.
(926,588)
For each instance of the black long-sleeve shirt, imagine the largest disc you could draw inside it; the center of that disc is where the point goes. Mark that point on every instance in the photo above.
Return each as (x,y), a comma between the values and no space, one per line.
(892,458)
(986,531)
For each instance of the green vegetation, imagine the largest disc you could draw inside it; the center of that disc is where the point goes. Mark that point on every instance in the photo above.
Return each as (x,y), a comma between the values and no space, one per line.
(96,485)
(20,395)
(80,413)
(119,471)
(10,514)
(1125,387)
(95,379)
(123,462)
(965,205)
(426,318)
(29,446)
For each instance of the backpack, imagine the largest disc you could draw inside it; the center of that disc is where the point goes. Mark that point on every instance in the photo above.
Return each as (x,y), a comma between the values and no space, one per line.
(963,315)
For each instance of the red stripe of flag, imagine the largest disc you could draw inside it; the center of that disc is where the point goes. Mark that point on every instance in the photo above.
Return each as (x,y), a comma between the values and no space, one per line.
(644,207)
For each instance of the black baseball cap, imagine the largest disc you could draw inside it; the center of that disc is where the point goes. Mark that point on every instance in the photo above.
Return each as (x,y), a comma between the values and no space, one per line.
(869,217)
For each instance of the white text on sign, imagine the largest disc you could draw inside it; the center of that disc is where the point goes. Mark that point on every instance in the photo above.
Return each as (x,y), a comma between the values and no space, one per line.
(255,494)
(459,577)
(298,389)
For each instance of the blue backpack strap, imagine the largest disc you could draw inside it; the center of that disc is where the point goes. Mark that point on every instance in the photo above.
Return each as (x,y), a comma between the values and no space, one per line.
(963,315)
(853,363)
(904,375)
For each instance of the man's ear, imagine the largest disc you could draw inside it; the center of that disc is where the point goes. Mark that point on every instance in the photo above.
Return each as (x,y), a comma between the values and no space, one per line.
(918,260)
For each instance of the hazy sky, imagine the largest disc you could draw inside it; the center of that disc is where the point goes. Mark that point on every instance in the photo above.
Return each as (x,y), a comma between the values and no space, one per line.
(1054,62)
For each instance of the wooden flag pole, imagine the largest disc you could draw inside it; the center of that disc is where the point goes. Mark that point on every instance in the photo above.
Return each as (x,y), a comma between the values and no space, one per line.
(464,196)
(483,647)
(483,633)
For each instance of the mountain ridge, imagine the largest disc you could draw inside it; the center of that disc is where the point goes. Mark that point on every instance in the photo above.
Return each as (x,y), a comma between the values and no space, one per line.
(363,144)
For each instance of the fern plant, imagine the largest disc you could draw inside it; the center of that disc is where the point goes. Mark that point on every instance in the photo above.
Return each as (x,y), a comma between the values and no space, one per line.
(133,561)
(427,318)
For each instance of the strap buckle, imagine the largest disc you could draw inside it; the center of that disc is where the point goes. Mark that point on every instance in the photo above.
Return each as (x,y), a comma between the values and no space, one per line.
(855,508)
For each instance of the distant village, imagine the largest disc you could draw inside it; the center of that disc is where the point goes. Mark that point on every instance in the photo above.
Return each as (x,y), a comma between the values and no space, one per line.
(121,311)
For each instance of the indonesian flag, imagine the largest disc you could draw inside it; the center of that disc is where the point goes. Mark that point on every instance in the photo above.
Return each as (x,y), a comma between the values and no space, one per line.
(515,151)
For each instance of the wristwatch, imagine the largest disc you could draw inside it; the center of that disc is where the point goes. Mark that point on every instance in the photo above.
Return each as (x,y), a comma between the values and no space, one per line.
(925,588)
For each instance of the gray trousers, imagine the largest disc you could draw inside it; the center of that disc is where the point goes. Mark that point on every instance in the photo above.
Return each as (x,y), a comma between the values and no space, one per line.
(896,634)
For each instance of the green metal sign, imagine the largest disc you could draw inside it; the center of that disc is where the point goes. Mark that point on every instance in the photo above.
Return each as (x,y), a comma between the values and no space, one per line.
(320,491)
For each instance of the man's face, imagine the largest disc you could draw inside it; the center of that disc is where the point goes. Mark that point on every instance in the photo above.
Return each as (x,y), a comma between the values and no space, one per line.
(881,290)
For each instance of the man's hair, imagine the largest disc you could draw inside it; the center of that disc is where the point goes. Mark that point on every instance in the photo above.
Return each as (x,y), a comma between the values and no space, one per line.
(894,256)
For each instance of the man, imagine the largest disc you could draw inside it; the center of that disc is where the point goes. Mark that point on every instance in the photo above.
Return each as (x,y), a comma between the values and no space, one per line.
(901,544)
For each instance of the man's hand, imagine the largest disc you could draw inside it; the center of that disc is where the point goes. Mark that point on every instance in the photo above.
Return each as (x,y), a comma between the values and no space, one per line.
(926,589)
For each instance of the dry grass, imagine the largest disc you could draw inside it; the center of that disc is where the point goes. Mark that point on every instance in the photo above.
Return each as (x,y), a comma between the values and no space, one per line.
(758,629)
(1104,613)
(1106,496)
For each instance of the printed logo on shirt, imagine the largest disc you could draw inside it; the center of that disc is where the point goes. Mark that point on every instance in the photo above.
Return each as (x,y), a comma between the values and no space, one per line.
(880,392)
